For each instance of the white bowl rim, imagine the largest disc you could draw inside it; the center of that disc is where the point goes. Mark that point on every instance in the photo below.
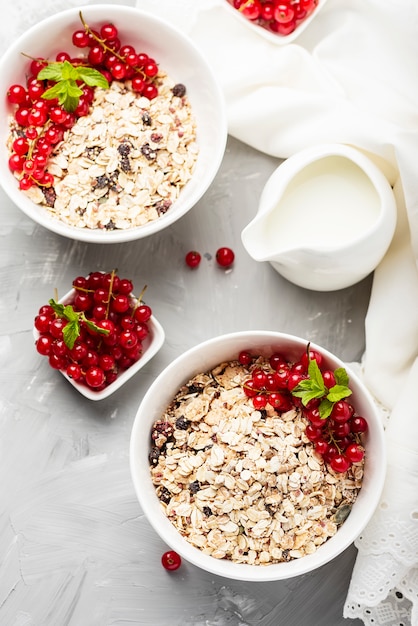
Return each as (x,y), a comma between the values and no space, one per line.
(334,546)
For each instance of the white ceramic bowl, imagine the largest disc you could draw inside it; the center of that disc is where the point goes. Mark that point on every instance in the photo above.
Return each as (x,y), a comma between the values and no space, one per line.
(200,359)
(174,52)
(150,346)
(269,35)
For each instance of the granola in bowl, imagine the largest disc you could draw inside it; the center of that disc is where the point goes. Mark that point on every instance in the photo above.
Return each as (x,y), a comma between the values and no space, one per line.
(125,163)
(245,484)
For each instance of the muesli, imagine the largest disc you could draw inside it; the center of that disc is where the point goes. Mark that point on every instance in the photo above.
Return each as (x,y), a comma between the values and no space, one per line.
(242,483)
(125,163)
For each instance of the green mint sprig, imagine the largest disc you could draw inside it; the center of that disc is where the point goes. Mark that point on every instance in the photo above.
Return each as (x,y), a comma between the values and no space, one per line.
(67,78)
(314,387)
(71,331)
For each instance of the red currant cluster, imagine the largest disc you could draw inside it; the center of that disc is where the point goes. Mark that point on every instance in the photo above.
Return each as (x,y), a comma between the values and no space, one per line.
(116,61)
(336,438)
(100,335)
(42,123)
(278,16)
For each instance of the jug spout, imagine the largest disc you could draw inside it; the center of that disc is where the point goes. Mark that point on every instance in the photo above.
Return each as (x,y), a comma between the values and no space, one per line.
(256,241)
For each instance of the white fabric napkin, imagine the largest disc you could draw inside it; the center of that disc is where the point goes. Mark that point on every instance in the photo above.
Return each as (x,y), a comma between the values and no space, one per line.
(350,77)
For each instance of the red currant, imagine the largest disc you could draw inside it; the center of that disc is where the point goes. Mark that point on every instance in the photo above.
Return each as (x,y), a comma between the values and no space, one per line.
(193,258)
(250,389)
(143,313)
(279,401)
(354,452)
(342,411)
(329,378)
(171,560)
(74,371)
(313,355)
(108,31)
(43,344)
(358,424)
(283,13)
(340,463)
(80,39)
(16,94)
(95,376)
(128,339)
(225,257)
(251,9)
(245,358)
(120,303)
(259,401)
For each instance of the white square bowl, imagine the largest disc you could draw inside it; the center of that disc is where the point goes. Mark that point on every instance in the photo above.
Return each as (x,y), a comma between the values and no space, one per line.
(269,35)
(151,345)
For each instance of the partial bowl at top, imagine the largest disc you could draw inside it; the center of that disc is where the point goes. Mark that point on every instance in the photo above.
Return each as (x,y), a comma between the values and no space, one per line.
(174,53)
(216,461)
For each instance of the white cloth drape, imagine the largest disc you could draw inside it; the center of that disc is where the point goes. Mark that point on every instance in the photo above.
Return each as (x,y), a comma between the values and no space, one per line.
(351,77)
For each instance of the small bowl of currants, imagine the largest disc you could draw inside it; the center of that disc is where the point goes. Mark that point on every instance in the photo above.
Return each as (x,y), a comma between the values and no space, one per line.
(99,334)
(112,124)
(278,21)
(258,456)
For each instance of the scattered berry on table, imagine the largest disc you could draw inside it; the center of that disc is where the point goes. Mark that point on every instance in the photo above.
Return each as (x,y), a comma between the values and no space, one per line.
(193,259)
(225,257)
(171,560)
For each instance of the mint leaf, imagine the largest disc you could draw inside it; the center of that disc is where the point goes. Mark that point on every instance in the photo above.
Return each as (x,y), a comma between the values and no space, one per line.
(52,71)
(72,95)
(68,71)
(306,395)
(70,333)
(314,387)
(338,392)
(97,329)
(70,314)
(56,91)
(311,387)
(92,77)
(341,376)
(67,78)
(58,307)
(325,408)
(315,374)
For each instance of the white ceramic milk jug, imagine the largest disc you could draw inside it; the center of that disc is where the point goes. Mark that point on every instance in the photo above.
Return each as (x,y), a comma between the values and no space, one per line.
(326,218)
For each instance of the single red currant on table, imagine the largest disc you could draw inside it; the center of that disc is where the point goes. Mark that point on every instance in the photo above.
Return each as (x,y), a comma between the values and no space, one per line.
(171,560)
(225,257)
(193,259)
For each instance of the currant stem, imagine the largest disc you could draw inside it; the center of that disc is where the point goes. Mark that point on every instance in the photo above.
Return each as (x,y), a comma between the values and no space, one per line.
(138,300)
(102,42)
